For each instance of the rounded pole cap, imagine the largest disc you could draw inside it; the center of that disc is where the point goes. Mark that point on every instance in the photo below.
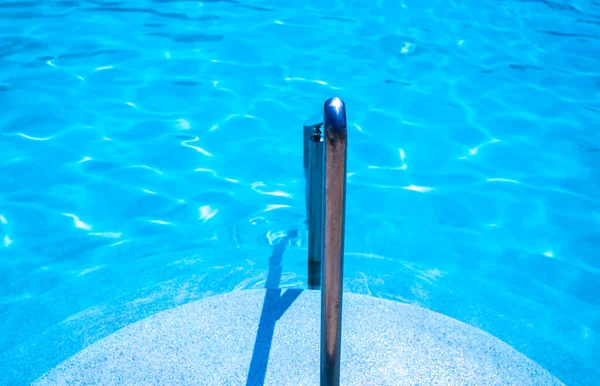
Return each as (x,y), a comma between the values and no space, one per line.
(334,118)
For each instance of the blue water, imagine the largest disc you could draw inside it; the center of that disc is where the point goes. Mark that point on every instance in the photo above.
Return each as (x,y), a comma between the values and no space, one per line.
(151,155)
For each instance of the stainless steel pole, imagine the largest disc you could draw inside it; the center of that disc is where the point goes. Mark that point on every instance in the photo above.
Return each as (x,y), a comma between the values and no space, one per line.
(308,131)
(335,137)
(315,211)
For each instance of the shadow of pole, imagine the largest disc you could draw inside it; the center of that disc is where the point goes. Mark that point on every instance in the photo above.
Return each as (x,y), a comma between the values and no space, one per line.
(274,306)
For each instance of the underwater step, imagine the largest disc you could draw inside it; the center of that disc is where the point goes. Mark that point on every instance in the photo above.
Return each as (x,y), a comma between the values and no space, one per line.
(272,337)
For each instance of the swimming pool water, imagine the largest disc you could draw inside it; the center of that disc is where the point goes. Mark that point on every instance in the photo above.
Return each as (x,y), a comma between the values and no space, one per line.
(151,155)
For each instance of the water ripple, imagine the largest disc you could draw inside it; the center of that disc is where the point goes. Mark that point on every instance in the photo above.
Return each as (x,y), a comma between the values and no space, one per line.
(568,35)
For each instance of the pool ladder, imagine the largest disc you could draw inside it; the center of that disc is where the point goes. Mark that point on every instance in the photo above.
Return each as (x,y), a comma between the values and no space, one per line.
(325,150)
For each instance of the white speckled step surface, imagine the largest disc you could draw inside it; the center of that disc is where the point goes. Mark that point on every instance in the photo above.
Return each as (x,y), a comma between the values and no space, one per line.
(212,342)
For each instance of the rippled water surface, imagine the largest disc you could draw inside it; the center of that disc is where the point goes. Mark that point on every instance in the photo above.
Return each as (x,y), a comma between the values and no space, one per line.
(151,155)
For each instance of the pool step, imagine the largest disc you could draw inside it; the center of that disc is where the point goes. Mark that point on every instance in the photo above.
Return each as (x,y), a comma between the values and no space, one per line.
(271,337)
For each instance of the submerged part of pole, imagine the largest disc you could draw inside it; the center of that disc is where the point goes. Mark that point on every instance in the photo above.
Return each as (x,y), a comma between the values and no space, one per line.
(315,208)
(335,138)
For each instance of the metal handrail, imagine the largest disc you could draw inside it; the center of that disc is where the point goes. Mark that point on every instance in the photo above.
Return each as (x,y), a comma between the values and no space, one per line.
(315,203)
(326,194)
